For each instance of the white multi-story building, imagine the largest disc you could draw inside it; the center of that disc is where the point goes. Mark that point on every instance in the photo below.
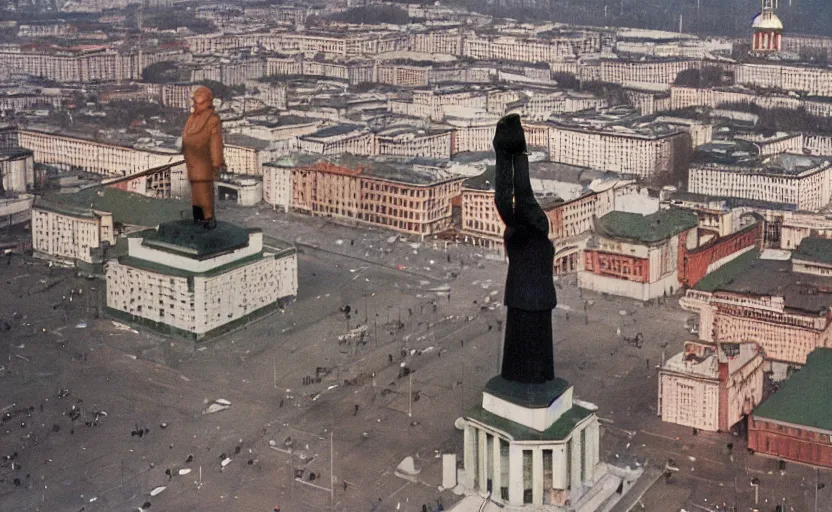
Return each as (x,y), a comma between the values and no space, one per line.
(711,386)
(91,156)
(199,288)
(798,180)
(337,139)
(623,147)
(69,233)
(17,170)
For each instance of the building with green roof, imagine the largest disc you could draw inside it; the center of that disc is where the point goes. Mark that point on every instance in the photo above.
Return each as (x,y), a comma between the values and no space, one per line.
(796,422)
(638,256)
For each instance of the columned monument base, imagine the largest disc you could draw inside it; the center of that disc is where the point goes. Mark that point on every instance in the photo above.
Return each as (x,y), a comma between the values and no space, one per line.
(530,444)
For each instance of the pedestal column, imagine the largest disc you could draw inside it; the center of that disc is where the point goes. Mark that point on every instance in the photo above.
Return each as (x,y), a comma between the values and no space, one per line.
(482,460)
(496,477)
(537,476)
(589,451)
(575,477)
(515,475)
(559,475)
(470,461)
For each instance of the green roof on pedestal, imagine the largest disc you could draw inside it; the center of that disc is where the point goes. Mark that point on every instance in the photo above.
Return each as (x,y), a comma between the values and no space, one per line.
(192,240)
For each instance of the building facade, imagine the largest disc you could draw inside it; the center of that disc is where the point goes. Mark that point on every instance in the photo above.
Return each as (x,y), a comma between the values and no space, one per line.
(794,424)
(799,180)
(199,291)
(638,256)
(70,234)
(413,196)
(711,386)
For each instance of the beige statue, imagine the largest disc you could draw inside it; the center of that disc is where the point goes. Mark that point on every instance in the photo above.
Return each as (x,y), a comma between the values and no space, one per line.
(202,148)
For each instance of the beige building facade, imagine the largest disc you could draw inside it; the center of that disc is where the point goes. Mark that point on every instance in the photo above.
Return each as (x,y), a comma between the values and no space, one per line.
(711,386)
(70,234)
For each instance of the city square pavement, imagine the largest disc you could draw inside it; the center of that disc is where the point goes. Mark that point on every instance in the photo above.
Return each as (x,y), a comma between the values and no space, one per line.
(97,415)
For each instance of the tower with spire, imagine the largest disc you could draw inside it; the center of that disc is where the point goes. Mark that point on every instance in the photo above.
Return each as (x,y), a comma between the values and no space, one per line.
(768,29)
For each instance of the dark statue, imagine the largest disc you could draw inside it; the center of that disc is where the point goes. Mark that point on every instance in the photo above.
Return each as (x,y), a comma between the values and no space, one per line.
(527,355)
(202,148)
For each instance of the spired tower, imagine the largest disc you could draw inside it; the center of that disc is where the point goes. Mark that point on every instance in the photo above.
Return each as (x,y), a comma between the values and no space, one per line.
(768,29)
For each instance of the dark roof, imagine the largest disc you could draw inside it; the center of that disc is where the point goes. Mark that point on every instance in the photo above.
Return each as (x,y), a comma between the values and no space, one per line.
(804,398)
(126,207)
(735,202)
(14,153)
(238,139)
(484,181)
(774,278)
(814,249)
(185,238)
(724,274)
(334,131)
(647,228)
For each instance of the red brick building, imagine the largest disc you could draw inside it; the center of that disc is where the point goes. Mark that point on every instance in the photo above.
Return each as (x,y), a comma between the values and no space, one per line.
(796,422)
(694,264)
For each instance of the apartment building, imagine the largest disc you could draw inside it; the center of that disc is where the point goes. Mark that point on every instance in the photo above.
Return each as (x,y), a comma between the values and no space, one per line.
(792,179)
(69,233)
(616,140)
(711,386)
(658,71)
(539,105)
(341,138)
(409,195)
(816,81)
(478,137)
(441,42)
(769,302)
(95,157)
(410,142)
(403,75)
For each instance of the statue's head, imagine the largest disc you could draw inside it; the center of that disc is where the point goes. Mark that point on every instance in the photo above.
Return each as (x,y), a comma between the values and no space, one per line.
(202,100)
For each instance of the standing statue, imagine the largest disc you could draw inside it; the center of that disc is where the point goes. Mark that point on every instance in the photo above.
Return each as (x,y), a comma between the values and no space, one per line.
(527,354)
(202,148)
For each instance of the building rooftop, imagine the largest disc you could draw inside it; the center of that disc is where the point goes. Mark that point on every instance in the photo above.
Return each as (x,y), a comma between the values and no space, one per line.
(126,207)
(748,275)
(619,120)
(701,359)
(335,131)
(416,171)
(804,398)
(647,228)
(14,153)
(818,250)
(744,156)
(726,273)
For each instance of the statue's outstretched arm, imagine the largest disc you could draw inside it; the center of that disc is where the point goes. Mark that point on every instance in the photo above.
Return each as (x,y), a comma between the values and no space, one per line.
(527,211)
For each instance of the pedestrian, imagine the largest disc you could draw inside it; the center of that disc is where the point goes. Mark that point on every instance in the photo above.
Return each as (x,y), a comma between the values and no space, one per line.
(647,363)
(390,358)
(355,413)
(345,482)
